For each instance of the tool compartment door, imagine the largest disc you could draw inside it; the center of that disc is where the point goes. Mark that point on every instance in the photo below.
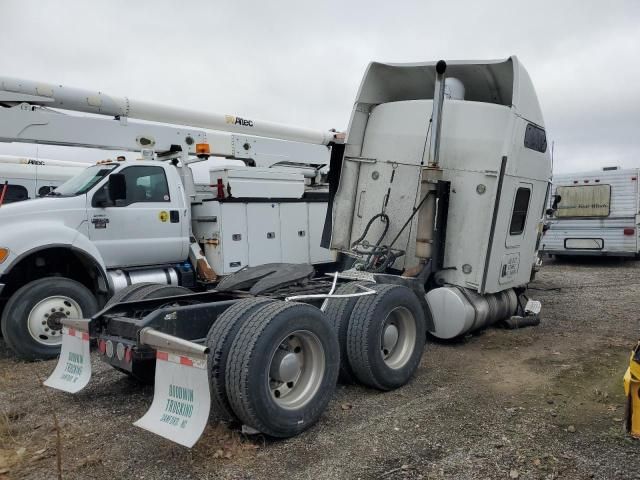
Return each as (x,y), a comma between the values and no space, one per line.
(264,233)
(233,229)
(295,233)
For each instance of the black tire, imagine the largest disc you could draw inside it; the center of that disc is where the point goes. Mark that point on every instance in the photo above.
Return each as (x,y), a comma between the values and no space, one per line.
(248,368)
(338,313)
(365,337)
(221,335)
(15,317)
(124,294)
(157,290)
(145,371)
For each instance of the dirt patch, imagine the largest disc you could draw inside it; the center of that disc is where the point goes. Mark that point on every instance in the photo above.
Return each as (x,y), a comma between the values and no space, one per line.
(543,402)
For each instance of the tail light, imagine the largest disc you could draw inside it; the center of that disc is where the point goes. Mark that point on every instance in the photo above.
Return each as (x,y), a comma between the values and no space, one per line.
(109,349)
(120,351)
(629,231)
(102,346)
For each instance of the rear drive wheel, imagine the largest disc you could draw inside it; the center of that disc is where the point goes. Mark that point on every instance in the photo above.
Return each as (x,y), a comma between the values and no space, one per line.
(386,337)
(31,319)
(338,313)
(282,368)
(221,335)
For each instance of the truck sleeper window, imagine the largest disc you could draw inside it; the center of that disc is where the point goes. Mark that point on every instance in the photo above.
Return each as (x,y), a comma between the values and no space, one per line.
(520,207)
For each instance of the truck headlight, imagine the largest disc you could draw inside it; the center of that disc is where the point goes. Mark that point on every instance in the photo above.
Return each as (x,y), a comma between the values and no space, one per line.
(4,253)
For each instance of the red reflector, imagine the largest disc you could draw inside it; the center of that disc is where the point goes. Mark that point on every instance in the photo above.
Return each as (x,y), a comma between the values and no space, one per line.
(102,346)
(127,355)
(162,355)
(629,231)
(186,361)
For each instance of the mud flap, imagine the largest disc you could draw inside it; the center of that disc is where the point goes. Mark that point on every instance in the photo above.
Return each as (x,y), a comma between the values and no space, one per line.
(73,371)
(181,399)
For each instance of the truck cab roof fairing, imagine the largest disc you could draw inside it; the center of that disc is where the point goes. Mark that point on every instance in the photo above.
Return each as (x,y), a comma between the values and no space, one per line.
(503,82)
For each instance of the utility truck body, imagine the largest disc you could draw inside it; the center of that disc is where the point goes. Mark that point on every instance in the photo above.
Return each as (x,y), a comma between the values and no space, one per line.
(436,195)
(33,177)
(594,213)
(95,247)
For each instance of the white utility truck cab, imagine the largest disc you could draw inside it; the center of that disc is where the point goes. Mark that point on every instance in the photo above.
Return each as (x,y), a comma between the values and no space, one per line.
(119,223)
(594,213)
(27,178)
(437,194)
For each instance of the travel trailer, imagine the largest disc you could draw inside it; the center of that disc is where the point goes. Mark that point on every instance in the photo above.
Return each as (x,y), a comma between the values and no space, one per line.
(594,213)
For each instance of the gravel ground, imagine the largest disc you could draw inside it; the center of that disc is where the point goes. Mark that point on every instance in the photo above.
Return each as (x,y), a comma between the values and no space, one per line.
(542,402)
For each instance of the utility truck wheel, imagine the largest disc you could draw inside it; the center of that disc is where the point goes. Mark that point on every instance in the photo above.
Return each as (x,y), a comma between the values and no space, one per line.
(145,371)
(386,337)
(31,319)
(338,313)
(221,335)
(282,368)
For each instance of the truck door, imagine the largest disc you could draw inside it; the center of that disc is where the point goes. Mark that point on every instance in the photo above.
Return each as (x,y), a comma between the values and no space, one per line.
(146,228)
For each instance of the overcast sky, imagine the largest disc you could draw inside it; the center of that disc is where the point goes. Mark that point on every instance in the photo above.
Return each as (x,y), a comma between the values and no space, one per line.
(301,62)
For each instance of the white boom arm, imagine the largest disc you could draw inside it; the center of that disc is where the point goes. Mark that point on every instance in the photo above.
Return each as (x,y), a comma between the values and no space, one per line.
(15,91)
(10,159)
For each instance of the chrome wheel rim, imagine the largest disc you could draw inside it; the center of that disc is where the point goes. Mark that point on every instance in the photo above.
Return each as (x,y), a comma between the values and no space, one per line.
(44,318)
(398,337)
(296,369)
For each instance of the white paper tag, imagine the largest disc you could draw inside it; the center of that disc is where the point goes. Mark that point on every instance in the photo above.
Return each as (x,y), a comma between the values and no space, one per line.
(181,399)
(73,371)
(533,306)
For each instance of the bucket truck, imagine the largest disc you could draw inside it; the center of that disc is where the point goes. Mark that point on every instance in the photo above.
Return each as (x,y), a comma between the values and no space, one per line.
(27,178)
(437,194)
(120,223)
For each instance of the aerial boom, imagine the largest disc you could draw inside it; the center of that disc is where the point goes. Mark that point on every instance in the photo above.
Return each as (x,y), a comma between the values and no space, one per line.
(14,91)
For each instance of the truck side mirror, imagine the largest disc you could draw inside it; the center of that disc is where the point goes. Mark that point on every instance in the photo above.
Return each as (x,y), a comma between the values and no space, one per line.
(117,187)
(550,212)
(101,199)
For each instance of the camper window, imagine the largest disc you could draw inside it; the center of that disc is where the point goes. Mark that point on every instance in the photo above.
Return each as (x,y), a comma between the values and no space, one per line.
(15,193)
(520,207)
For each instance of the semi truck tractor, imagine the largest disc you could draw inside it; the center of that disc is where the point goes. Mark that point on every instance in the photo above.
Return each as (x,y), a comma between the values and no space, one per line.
(66,254)
(436,195)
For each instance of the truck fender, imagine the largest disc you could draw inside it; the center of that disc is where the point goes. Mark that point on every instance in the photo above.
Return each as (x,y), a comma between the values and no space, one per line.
(22,243)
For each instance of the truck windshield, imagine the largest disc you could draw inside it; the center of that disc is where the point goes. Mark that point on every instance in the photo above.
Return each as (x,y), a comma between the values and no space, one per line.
(83,182)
